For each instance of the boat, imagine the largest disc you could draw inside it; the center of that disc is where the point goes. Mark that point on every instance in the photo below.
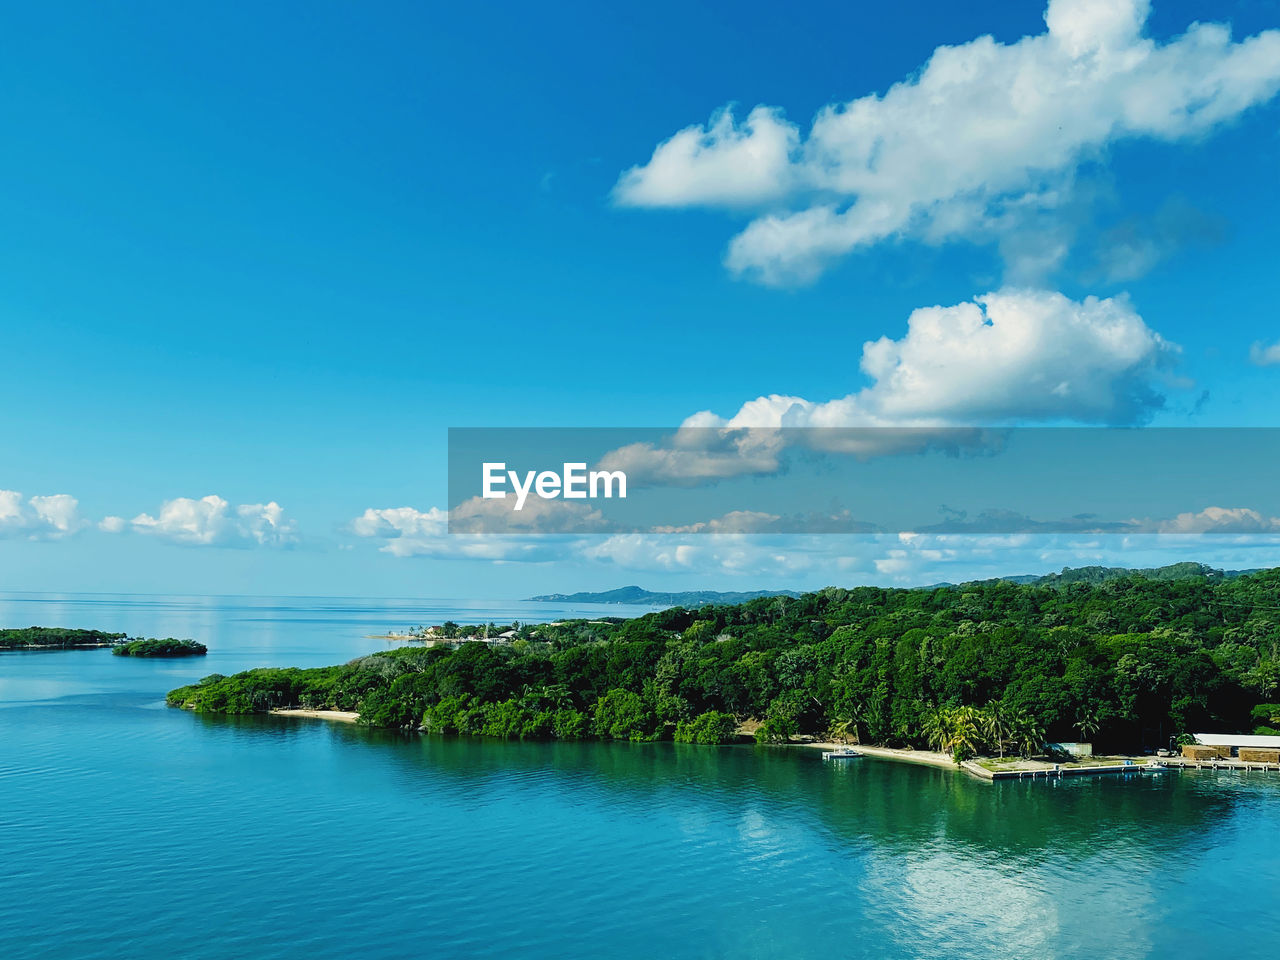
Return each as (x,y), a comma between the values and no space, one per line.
(844,753)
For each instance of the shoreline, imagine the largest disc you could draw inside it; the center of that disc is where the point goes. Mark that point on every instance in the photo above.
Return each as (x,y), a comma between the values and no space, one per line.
(924,758)
(338,716)
(1013,770)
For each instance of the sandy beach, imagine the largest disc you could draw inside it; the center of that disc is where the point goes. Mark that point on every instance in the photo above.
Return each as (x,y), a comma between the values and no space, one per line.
(342,716)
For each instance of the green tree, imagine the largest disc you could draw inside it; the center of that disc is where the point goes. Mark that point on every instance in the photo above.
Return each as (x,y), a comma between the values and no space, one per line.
(997,725)
(623,715)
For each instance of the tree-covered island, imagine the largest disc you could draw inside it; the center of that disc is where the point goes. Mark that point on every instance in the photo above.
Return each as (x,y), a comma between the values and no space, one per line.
(161,648)
(121,644)
(991,667)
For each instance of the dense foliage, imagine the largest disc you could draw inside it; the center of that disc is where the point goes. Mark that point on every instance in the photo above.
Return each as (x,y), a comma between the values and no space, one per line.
(989,666)
(161,648)
(36,637)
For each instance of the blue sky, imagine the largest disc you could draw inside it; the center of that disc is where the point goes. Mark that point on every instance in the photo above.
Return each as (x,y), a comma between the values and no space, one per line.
(271,255)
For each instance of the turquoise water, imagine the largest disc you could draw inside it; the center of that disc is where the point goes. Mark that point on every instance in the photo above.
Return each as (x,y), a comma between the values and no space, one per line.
(130,829)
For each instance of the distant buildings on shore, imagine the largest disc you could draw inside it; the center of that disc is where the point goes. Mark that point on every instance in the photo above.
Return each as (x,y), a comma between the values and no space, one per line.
(1253,748)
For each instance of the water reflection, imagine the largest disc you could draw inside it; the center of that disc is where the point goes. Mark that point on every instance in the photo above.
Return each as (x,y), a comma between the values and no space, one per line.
(901,806)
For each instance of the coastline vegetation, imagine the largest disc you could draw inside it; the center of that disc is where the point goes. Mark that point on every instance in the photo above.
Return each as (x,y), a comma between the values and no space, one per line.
(160,648)
(983,668)
(55,638)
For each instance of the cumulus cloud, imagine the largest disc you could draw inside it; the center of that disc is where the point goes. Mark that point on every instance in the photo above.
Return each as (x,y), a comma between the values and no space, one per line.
(705,449)
(1211,520)
(759,522)
(1264,354)
(212,521)
(720,554)
(911,559)
(809,560)
(1218,520)
(1023,356)
(498,515)
(1029,355)
(727,164)
(741,547)
(392,522)
(39,517)
(408,532)
(983,135)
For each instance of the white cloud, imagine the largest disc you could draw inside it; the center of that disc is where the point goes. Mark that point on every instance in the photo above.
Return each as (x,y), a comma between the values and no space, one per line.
(723,165)
(705,449)
(760,522)
(393,522)
(1025,354)
(497,515)
(705,554)
(808,560)
(112,524)
(908,559)
(212,521)
(1218,520)
(408,532)
(1264,354)
(805,560)
(982,136)
(40,517)
(1021,356)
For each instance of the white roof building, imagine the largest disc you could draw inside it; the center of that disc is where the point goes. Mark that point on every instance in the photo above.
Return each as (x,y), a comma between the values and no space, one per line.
(1237,740)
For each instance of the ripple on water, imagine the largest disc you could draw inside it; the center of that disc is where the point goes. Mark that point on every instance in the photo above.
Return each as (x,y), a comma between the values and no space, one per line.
(135,831)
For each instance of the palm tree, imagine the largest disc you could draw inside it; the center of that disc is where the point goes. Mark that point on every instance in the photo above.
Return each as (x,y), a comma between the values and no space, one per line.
(848,723)
(936,728)
(1087,722)
(966,730)
(996,724)
(840,729)
(1028,732)
(953,729)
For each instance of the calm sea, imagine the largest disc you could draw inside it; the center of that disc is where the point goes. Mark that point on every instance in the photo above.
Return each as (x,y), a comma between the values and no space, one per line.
(128,829)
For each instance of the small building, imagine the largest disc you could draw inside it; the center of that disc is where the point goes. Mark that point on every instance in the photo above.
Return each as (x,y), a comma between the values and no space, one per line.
(1200,751)
(1071,749)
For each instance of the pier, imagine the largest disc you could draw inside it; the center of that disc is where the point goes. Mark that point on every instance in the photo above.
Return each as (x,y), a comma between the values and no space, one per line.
(1057,771)
(1137,767)
(1221,763)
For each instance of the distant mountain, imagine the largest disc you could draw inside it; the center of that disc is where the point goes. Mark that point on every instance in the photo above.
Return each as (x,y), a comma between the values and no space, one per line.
(679,598)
